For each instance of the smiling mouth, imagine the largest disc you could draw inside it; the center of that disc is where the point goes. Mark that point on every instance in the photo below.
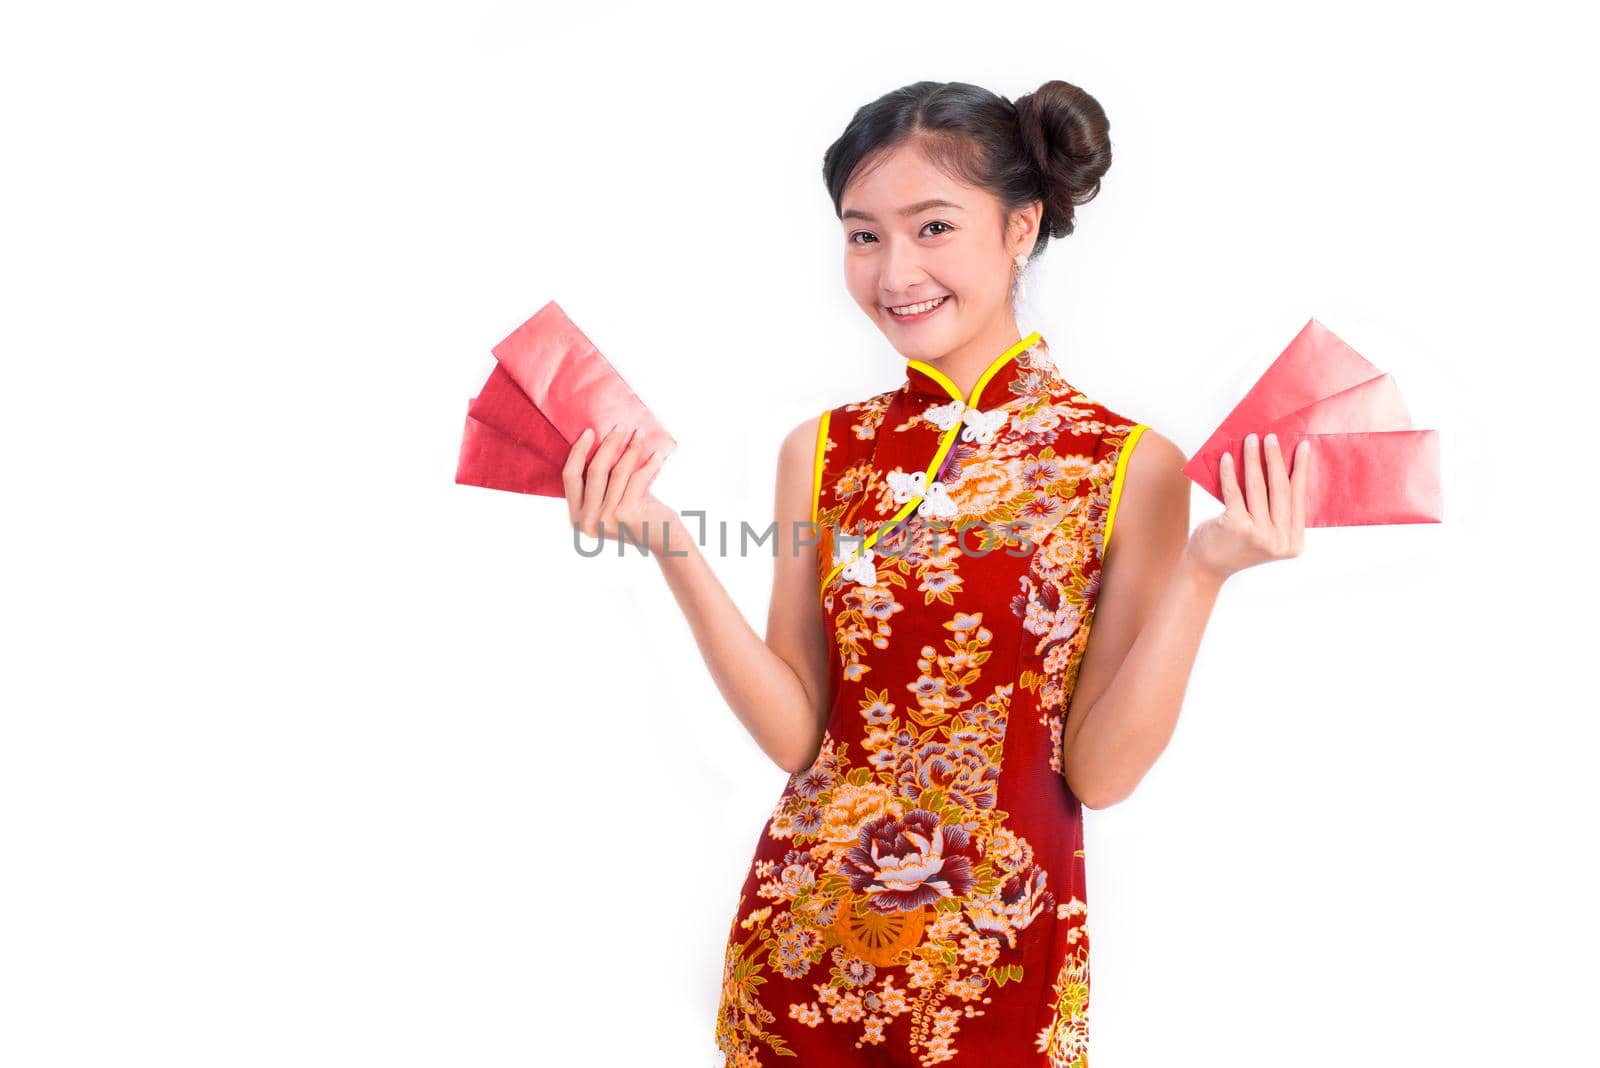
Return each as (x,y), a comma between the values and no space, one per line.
(920,308)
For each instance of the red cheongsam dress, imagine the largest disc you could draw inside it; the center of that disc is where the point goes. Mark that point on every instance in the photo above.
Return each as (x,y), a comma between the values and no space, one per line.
(917,896)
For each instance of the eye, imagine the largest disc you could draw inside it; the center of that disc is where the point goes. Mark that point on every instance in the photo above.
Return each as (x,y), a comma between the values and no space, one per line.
(867,233)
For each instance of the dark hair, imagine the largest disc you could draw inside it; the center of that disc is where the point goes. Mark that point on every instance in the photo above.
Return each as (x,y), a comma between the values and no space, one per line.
(1051,145)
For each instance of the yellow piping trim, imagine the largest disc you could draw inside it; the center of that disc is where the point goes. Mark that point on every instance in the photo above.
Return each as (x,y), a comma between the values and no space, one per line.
(946,441)
(816,475)
(1116,483)
(940,377)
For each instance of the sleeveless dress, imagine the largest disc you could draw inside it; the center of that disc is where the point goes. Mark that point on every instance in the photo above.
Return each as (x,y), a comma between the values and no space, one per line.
(917,896)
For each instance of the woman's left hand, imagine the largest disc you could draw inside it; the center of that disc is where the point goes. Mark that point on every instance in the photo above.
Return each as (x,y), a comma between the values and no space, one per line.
(1263,523)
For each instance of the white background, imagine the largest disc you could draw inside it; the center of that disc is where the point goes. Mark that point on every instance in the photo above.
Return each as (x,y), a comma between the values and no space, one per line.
(312,756)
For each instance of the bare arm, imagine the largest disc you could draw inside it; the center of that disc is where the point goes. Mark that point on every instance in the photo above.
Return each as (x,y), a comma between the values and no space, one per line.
(777,686)
(1159,584)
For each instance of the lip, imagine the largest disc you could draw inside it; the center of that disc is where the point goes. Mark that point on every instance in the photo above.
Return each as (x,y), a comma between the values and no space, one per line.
(920,315)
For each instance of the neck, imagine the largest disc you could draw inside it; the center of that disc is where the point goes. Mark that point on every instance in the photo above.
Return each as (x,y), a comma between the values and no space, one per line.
(965,363)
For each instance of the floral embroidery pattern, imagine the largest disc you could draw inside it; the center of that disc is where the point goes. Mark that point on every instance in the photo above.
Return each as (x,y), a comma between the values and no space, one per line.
(920,886)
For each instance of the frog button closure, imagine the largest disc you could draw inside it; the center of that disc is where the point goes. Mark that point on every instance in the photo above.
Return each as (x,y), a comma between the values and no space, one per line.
(921,491)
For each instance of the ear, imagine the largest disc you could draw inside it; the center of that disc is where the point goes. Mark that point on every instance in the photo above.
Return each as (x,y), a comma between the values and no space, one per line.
(1023,232)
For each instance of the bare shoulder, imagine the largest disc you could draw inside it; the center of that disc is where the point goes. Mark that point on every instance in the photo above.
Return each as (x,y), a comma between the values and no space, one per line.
(797,458)
(1155,459)
(801,442)
(797,471)
(1153,499)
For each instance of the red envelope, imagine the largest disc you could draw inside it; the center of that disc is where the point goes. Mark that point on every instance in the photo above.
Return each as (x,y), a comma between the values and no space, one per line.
(550,382)
(1368,464)
(495,461)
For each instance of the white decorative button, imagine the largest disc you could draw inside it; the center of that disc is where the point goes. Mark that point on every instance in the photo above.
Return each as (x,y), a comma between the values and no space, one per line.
(981,426)
(907,486)
(861,570)
(945,416)
(936,504)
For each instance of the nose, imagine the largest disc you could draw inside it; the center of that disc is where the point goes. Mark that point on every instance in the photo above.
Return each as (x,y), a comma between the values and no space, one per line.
(901,269)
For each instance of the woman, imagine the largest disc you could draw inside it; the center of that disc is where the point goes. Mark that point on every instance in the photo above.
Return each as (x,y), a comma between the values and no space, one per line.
(927,676)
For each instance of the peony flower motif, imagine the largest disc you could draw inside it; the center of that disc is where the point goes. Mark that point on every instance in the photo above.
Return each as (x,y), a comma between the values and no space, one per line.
(905,863)
(982,426)
(1013,906)
(798,874)
(966,776)
(853,806)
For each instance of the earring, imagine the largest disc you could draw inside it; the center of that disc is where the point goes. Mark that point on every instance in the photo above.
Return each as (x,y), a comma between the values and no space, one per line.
(1022,283)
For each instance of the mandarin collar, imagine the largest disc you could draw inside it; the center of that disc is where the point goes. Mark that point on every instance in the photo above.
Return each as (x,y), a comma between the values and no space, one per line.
(925,381)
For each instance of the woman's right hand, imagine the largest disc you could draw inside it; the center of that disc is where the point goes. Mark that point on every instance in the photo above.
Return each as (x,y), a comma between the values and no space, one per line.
(1265,520)
(613,491)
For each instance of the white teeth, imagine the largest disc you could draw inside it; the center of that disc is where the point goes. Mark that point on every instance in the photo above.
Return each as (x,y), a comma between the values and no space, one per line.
(917,309)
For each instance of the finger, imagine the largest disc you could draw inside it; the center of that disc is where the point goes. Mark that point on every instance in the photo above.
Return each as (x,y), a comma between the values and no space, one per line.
(1299,491)
(598,476)
(1231,497)
(572,473)
(638,482)
(620,471)
(1277,485)
(1255,486)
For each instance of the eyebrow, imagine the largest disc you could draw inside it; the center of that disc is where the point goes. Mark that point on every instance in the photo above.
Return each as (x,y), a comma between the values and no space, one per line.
(910,209)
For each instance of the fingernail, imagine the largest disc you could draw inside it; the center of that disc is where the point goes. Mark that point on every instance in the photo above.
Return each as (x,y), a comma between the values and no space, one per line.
(1249,439)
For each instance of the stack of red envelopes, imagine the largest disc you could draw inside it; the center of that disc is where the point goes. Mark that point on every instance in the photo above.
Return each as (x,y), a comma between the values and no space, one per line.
(1368,465)
(549,384)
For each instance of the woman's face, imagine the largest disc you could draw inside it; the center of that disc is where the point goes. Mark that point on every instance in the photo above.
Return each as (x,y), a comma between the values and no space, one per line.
(948,245)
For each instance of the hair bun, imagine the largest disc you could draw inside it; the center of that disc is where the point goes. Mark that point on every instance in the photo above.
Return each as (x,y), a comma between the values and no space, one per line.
(1066,132)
